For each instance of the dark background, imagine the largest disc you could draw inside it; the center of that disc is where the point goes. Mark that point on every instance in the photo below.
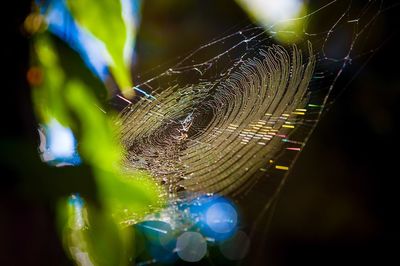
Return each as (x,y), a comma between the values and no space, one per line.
(339,205)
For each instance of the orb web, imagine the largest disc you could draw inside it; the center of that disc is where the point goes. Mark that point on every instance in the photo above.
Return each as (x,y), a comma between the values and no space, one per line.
(233,115)
(215,135)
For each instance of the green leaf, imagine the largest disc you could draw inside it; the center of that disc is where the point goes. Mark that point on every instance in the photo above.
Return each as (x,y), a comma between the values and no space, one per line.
(90,235)
(133,192)
(70,100)
(104,20)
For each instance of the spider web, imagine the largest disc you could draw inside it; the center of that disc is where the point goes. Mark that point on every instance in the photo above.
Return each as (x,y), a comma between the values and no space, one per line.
(232,117)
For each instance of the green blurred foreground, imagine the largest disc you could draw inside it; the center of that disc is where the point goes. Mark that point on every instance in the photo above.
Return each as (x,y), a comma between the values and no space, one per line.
(76,100)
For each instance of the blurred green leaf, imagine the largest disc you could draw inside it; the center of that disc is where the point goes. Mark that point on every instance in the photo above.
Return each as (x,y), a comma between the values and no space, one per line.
(73,103)
(124,196)
(104,20)
(134,191)
(47,95)
(91,236)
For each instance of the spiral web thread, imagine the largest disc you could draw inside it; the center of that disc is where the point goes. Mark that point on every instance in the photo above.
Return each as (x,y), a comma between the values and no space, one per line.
(232,117)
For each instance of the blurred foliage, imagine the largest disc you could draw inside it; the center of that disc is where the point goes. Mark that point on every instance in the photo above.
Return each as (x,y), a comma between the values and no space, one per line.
(73,104)
(91,236)
(104,20)
(287,25)
(75,101)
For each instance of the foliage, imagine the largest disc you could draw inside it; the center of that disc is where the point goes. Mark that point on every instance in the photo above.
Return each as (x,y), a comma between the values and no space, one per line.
(104,20)
(76,100)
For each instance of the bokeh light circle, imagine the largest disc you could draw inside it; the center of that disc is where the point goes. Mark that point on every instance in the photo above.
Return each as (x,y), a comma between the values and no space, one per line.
(221,217)
(191,246)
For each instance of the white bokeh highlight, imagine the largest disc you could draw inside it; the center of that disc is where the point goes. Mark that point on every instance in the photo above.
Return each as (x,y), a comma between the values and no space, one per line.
(61,140)
(191,246)
(272,11)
